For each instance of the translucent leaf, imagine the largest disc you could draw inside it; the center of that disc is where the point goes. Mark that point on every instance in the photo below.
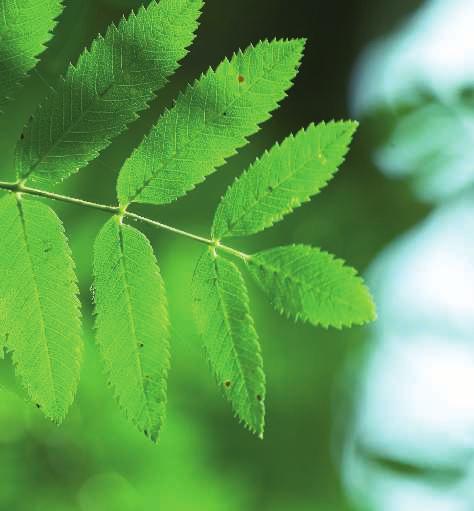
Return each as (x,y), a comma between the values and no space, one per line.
(39,294)
(308,284)
(231,342)
(209,122)
(285,177)
(132,323)
(25,28)
(102,94)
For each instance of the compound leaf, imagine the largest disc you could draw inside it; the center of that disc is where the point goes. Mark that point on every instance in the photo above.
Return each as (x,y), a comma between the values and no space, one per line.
(25,28)
(209,122)
(285,177)
(132,323)
(39,293)
(308,284)
(102,94)
(221,307)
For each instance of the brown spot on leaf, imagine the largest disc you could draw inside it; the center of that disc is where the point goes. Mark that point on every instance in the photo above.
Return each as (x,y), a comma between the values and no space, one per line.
(227,384)
(241,79)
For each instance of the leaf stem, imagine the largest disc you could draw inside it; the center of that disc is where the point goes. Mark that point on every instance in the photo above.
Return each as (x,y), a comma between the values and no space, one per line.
(155,223)
(20,188)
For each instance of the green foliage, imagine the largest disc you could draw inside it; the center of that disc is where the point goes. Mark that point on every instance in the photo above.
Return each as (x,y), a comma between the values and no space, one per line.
(103,92)
(308,284)
(39,292)
(222,308)
(285,177)
(132,323)
(209,122)
(25,28)
(94,102)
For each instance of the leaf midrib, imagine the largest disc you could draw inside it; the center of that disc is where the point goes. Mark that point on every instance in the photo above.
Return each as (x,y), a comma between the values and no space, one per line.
(133,324)
(302,283)
(38,302)
(266,193)
(228,323)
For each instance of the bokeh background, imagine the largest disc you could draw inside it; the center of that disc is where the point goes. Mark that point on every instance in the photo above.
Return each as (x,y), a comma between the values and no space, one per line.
(205,460)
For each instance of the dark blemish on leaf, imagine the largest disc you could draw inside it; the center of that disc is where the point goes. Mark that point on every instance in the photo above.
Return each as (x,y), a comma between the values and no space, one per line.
(225,114)
(259,397)
(22,136)
(140,345)
(270,188)
(47,247)
(38,405)
(241,79)
(146,432)
(227,383)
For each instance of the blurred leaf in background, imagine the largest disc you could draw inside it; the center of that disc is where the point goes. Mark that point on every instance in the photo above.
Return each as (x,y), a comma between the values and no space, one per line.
(408,442)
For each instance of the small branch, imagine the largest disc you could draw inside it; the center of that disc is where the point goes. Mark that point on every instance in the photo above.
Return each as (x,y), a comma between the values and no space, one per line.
(116,210)
(149,221)
(19,188)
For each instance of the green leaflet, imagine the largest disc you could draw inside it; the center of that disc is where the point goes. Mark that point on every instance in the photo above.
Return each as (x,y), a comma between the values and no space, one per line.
(25,28)
(99,96)
(221,307)
(39,293)
(285,177)
(209,122)
(308,284)
(132,323)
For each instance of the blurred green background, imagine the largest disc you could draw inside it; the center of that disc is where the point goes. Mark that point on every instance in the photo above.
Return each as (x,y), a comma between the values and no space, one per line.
(205,460)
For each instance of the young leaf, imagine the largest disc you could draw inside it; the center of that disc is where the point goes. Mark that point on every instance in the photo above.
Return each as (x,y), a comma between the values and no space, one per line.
(25,28)
(209,122)
(285,177)
(221,307)
(132,323)
(39,292)
(102,94)
(308,284)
